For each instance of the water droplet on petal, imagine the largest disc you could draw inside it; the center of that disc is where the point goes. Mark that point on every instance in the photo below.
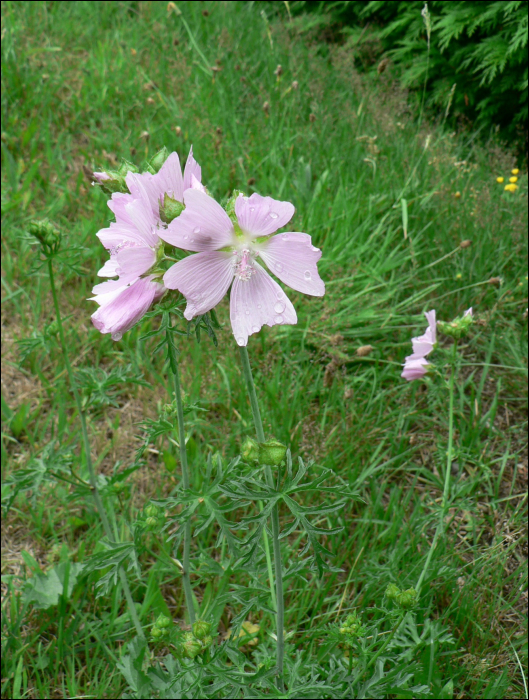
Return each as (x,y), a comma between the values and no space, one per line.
(278,319)
(247,312)
(252,208)
(185,238)
(279,307)
(259,306)
(196,230)
(285,237)
(255,329)
(307,275)
(273,215)
(278,267)
(279,295)
(241,341)
(117,336)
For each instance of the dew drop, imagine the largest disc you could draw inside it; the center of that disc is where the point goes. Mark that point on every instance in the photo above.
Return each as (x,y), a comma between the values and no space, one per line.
(285,237)
(252,208)
(273,215)
(241,341)
(278,267)
(259,306)
(185,238)
(279,295)
(307,275)
(196,230)
(247,312)
(255,329)
(279,307)
(278,319)
(117,336)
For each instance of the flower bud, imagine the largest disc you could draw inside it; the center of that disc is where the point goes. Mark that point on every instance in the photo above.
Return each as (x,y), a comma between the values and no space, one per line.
(465,244)
(392,591)
(250,451)
(151,523)
(459,327)
(191,648)
(159,159)
(46,233)
(163,621)
(230,205)
(201,629)
(170,209)
(156,633)
(272,453)
(408,599)
(207,641)
(151,511)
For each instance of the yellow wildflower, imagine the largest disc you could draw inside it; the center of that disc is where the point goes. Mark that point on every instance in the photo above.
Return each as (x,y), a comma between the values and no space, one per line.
(515,171)
(457,195)
(500,179)
(511,187)
(513,179)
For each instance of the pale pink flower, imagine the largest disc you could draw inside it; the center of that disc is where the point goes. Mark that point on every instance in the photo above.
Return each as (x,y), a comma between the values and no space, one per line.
(101,177)
(468,312)
(415,368)
(423,345)
(228,253)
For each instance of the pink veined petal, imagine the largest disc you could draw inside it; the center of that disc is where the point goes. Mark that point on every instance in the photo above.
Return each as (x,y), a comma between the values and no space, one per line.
(116,234)
(197,185)
(423,345)
(168,179)
(261,216)
(127,308)
(415,368)
(432,323)
(293,258)
(109,269)
(101,177)
(135,261)
(192,170)
(203,225)
(117,204)
(203,279)
(144,221)
(258,301)
(106,291)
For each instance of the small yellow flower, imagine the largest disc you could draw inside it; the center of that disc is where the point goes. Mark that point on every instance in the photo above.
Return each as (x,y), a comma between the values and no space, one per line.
(459,276)
(515,171)
(500,179)
(457,195)
(513,179)
(511,187)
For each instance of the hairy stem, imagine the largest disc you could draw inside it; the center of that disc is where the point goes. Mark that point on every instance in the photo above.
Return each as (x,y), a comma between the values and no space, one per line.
(88,457)
(280,609)
(173,364)
(449,454)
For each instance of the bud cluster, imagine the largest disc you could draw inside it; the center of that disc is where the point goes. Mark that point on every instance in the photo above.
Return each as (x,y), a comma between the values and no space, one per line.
(154,517)
(459,327)
(160,628)
(351,630)
(197,641)
(271,452)
(404,599)
(47,234)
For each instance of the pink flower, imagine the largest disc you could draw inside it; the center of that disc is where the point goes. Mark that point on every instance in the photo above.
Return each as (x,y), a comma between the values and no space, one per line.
(134,243)
(468,312)
(228,252)
(415,368)
(423,345)
(101,177)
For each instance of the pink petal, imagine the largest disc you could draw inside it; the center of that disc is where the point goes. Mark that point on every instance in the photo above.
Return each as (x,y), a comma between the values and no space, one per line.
(135,261)
(101,177)
(109,269)
(106,291)
(414,368)
(423,345)
(117,204)
(127,308)
(292,258)
(168,179)
(432,323)
(257,301)
(191,170)
(116,234)
(468,312)
(203,279)
(203,225)
(261,216)
(144,221)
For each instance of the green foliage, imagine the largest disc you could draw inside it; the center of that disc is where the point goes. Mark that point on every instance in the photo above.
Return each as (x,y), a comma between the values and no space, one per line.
(477,63)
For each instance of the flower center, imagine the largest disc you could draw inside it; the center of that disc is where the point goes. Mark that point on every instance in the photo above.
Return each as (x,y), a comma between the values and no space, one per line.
(244,268)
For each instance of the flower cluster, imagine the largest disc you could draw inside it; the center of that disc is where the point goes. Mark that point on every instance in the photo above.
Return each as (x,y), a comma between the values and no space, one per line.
(511,186)
(227,244)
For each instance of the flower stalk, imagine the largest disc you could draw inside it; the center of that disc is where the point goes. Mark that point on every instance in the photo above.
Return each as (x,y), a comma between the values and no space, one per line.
(86,445)
(280,608)
(173,365)
(446,489)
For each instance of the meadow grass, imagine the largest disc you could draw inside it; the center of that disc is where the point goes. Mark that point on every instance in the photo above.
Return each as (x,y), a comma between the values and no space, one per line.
(389,203)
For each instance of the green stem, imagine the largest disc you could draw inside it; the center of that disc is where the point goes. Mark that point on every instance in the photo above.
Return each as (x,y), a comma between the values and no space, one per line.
(388,640)
(269,566)
(88,457)
(173,364)
(280,609)
(448,472)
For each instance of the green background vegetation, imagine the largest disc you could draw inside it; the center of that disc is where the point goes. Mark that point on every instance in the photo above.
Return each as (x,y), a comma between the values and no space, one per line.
(84,84)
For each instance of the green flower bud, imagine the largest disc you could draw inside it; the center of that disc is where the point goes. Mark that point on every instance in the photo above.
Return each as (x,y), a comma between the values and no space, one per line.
(156,633)
(230,206)
(272,452)
(46,233)
(459,327)
(151,511)
(151,524)
(250,450)
(127,167)
(408,599)
(207,641)
(201,629)
(163,621)
(53,328)
(170,209)
(159,159)
(191,648)
(392,591)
